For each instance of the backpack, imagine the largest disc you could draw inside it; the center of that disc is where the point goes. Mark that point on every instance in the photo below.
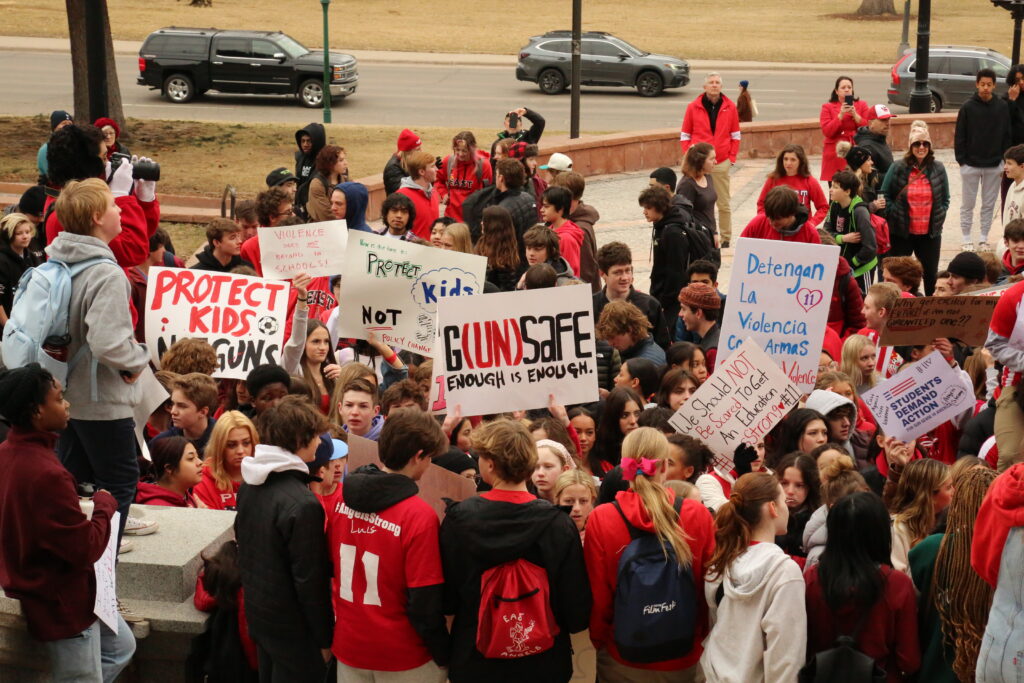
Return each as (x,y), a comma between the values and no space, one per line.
(881,227)
(216,655)
(843,663)
(655,599)
(515,618)
(302,195)
(38,330)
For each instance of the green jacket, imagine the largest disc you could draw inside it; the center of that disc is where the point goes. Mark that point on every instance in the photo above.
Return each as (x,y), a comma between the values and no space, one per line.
(936,654)
(897,211)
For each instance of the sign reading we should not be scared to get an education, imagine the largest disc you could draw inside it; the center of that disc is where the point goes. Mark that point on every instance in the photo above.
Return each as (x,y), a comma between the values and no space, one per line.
(242,317)
(392,288)
(779,294)
(509,351)
(740,402)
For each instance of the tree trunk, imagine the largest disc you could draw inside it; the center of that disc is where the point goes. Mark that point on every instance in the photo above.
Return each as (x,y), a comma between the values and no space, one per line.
(874,7)
(80,66)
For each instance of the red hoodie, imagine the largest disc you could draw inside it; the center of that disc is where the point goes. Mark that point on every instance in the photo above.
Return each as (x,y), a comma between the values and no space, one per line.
(139,221)
(154,494)
(1008,264)
(761,228)
(213,497)
(608,536)
(1002,509)
(570,241)
(428,207)
(807,189)
(459,179)
(845,313)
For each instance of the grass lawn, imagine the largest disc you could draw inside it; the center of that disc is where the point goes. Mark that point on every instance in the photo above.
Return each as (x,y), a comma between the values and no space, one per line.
(772,30)
(186,238)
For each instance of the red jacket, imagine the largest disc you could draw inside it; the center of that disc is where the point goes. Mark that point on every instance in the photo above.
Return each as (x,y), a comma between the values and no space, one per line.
(845,313)
(458,179)
(570,242)
(835,130)
(204,602)
(697,128)
(428,208)
(1002,509)
(608,536)
(139,221)
(154,494)
(807,189)
(761,228)
(49,546)
(889,634)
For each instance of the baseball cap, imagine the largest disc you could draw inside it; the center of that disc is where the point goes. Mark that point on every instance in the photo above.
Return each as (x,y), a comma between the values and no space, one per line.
(880,111)
(279,176)
(558,162)
(340,449)
(324,453)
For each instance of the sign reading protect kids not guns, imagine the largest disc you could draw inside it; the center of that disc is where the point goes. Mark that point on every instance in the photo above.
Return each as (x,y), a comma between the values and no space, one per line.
(746,396)
(780,294)
(392,288)
(242,317)
(509,351)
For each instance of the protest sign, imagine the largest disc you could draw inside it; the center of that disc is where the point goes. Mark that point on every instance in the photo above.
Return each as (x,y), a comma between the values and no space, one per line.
(919,398)
(779,295)
(316,249)
(392,287)
(921,319)
(242,317)
(997,290)
(152,395)
(747,395)
(508,351)
(105,605)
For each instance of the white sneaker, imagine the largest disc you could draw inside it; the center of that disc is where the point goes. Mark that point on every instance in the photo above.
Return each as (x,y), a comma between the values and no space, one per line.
(128,615)
(126,546)
(140,527)
(985,245)
(968,245)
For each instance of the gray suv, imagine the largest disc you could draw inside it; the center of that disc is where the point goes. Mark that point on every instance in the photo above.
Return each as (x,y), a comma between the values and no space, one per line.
(951,74)
(605,60)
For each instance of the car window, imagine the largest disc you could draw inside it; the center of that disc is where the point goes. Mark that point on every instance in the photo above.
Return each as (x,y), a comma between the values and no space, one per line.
(290,46)
(193,46)
(1001,69)
(963,66)
(599,48)
(155,44)
(234,47)
(264,49)
(556,46)
(628,48)
(937,64)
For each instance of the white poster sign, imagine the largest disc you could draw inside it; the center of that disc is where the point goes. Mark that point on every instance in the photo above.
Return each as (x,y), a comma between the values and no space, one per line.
(105,607)
(779,294)
(509,351)
(316,249)
(392,288)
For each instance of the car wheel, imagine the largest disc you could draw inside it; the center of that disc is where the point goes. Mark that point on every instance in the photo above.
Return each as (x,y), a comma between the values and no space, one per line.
(178,88)
(311,94)
(551,81)
(649,84)
(936,104)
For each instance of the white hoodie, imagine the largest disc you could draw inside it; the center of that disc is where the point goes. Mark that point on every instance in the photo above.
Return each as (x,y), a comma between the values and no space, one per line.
(763,586)
(266,459)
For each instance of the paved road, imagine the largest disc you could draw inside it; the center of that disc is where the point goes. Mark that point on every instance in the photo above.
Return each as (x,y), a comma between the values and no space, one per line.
(428,95)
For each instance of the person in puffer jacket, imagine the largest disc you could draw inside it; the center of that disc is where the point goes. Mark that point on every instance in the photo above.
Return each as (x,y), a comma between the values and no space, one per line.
(838,479)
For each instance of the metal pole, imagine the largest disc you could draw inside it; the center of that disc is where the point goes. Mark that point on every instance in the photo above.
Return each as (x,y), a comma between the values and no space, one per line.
(921,97)
(96,59)
(574,93)
(1018,15)
(327,65)
(904,41)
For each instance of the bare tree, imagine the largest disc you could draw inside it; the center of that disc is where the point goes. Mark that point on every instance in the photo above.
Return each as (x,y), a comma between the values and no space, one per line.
(80,63)
(874,7)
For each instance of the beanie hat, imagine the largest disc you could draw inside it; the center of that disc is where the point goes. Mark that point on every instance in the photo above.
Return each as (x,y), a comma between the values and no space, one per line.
(559,450)
(967,264)
(58,117)
(280,176)
(856,157)
(104,121)
(517,150)
(456,461)
(744,84)
(920,134)
(32,200)
(843,148)
(700,295)
(408,141)
(262,375)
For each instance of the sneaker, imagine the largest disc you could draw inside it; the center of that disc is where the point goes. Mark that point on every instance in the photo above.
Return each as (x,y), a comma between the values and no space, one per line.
(985,245)
(725,244)
(128,615)
(140,527)
(126,546)
(968,245)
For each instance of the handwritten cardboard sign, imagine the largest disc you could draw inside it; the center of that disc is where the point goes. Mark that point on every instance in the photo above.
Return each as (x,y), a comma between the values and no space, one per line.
(105,606)
(242,317)
(747,395)
(508,351)
(316,249)
(779,295)
(920,398)
(921,319)
(392,288)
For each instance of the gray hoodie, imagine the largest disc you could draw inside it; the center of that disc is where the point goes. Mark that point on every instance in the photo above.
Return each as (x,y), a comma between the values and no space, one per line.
(825,402)
(101,326)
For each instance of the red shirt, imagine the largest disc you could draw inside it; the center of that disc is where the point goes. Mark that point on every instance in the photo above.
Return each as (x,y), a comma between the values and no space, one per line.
(212,496)
(919,201)
(807,189)
(761,228)
(204,602)
(377,558)
(428,209)
(458,179)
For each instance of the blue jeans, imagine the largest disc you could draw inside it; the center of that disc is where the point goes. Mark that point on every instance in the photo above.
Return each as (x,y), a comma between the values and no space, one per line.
(94,655)
(103,452)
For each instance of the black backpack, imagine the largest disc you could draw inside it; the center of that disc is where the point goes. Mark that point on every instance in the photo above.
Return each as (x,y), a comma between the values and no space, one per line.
(302,195)
(699,238)
(216,655)
(843,663)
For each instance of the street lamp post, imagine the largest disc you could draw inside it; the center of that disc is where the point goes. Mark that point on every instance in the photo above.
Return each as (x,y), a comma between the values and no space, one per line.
(904,40)
(327,65)
(1016,9)
(574,85)
(921,97)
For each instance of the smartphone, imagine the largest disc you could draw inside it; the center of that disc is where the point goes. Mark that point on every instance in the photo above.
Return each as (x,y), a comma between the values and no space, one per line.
(513,120)
(849,100)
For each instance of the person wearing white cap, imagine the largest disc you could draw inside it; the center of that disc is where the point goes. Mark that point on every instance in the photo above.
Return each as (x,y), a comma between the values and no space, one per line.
(874,137)
(557,163)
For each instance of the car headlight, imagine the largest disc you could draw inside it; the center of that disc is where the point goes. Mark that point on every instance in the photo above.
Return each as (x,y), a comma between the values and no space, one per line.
(673,66)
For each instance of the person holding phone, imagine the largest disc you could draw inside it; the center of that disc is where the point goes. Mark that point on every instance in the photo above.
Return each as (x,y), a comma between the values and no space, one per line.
(840,118)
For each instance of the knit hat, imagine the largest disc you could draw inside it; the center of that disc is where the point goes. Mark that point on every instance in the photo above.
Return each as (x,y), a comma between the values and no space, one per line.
(856,157)
(104,121)
(262,375)
(920,134)
(456,461)
(744,84)
(967,264)
(408,141)
(700,295)
(517,150)
(58,117)
(32,200)
(558,162)
(881,112)
(560,450)
(279,176)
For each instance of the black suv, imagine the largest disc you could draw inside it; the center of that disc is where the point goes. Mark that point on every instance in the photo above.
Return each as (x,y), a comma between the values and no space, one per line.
(185,62)
(604,60)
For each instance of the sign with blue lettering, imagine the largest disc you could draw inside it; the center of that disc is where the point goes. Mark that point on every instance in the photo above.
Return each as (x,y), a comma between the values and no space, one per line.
(779,295)
(920,398)
(391,288)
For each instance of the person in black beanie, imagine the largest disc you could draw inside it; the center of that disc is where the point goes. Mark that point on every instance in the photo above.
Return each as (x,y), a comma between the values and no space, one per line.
(966,269)
(58,119)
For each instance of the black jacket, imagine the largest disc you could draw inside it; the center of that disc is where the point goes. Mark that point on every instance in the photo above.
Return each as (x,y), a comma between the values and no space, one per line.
(877,145)
(671,250)
(1016,108)
(393,174)
(518,202)
(369,489)
(977,430)
(305,164)
(505,280)
(530,136)
(646,303)
(897,211)
(12,267)
(982,132)
(478,534)
(282,555)
(608,364)
(207,261)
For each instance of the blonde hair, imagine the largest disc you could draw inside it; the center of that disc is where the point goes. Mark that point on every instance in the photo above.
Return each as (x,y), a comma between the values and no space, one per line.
(12,221)
(912,503)
(78,204)
(508,446)
(574,477)
(648,442)
(852,347)
(214,452)
(462,241)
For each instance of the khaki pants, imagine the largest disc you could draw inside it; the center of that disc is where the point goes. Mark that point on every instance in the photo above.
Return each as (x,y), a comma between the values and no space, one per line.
(720,176)
(428,673)
(611,671)
(1009,429)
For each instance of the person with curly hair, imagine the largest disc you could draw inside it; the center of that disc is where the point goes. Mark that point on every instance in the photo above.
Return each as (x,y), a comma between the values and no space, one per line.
(331,169)
(190,355)
(627,329)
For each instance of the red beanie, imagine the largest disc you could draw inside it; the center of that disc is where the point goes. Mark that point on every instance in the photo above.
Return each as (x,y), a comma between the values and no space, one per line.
(104,121)
(408,141)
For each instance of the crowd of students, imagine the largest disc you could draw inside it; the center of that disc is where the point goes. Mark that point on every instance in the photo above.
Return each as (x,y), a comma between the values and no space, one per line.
(683,564)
